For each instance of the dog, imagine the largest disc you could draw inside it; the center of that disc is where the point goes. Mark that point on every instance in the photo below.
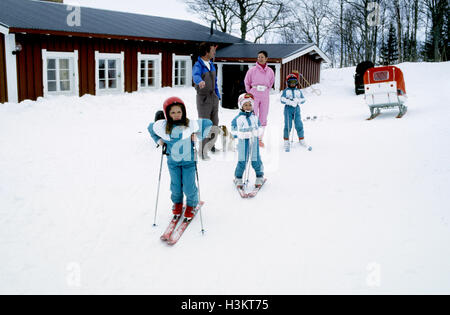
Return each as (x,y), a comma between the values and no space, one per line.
(228,141)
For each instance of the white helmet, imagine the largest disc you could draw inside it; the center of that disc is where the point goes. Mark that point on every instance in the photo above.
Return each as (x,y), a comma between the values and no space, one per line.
(244,98)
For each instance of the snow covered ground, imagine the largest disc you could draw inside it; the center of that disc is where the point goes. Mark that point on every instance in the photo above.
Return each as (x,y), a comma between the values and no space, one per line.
(366,212)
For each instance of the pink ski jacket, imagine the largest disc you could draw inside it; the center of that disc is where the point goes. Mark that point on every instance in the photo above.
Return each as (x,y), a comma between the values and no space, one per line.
(259,80)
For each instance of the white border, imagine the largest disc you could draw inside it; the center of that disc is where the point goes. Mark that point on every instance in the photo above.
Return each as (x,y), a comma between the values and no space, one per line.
(158,59)
(304,52)
(57,54)
(121,74)
(188,69)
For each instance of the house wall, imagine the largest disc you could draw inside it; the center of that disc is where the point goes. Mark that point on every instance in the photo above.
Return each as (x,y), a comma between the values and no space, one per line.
(29,60)
(3,83)
(306,65)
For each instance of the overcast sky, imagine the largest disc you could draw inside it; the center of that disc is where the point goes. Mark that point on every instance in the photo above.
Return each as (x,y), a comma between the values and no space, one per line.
(165,8)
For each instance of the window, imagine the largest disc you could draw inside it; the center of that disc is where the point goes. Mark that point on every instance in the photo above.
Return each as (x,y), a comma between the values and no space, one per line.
(60,73)
(182,71)
(149,72)
(381,76)
(109,70)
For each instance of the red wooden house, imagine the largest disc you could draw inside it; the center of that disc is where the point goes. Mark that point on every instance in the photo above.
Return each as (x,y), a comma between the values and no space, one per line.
(51,48)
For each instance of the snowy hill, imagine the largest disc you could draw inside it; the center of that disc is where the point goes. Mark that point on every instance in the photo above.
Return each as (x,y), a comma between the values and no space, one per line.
(367,211)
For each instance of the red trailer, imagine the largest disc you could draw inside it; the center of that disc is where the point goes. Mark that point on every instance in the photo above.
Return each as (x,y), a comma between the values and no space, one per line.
(385,88)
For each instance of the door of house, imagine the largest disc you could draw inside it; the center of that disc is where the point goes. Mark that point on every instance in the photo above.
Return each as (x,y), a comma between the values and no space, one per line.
(233,84)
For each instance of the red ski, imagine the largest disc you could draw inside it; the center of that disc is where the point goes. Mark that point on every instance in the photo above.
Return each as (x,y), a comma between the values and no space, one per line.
(173,224)
(255,191)
(241,190)
(176,235)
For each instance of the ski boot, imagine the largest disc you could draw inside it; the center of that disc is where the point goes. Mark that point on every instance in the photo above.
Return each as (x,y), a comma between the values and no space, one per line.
(177,209)
(287,146)
(259,182)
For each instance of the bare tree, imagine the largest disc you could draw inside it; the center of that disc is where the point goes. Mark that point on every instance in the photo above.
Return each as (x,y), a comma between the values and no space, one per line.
(255,17)
(310,21)
(218,10)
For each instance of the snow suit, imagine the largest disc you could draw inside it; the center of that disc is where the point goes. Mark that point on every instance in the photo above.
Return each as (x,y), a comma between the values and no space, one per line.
(246,127)
(292,98)
(208,97)
(181,159)
(259,82)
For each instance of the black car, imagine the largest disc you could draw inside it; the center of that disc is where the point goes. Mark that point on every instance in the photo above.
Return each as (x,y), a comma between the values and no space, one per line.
(359,76)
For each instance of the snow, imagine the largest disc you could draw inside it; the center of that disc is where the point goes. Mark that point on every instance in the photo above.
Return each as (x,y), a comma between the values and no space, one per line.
(366,212)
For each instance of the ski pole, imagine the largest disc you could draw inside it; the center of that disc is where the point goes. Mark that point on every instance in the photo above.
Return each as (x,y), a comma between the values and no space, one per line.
(249,162)
(291,130)
(163,149)
(315,91)
(198,187)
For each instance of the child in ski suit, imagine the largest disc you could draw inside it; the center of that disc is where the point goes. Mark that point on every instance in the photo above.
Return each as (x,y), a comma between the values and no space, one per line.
(292,98)
(179,133)
(247,128)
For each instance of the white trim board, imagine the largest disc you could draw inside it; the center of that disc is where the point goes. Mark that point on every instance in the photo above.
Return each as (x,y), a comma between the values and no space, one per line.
(306,51)
(4,30)
(11,68)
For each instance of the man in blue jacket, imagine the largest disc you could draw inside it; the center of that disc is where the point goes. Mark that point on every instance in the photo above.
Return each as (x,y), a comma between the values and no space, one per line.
(204,75)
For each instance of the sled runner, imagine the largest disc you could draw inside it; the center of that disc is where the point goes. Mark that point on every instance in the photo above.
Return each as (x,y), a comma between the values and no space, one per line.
(385,88)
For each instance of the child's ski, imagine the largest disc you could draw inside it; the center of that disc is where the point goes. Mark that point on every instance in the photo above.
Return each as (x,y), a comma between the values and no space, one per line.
(172,225)
(306,146)
(241,190)
(255,191)
(176,235)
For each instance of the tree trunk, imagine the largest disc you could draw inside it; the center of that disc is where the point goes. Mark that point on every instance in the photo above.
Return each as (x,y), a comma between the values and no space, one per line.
(341,29)
(399,30)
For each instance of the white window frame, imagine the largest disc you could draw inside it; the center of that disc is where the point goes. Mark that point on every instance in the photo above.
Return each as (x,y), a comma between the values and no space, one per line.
(75,83)
(158,68)
(120,73)
(188,60)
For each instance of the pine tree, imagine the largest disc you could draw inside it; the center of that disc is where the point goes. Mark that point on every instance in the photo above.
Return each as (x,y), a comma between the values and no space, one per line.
(389,50)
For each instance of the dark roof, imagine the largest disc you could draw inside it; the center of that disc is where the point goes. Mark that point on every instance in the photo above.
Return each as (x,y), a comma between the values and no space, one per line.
(48,16)
(246,51)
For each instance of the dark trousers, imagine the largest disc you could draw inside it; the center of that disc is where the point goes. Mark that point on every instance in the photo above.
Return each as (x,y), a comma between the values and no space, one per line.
(208,108)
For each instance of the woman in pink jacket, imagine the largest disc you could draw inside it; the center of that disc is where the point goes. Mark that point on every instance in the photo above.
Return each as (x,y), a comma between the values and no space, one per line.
(259,81)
